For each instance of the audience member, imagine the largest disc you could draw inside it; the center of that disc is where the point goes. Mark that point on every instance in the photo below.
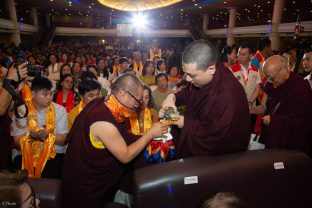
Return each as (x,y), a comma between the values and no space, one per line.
(148,73)
(173,77)
(106,85)
(224,200)
(137,64)
(16,192)
(65,69)
(142,121)
(46,127)
(89,89)
(65,94)
(6,141)
(264,51)
(162,90)
(228,56)
(307,64)
(76,69)
(54,70)
(161,66)
(247,74)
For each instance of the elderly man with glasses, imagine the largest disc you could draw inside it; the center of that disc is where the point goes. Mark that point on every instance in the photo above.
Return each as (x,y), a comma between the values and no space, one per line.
(287,123)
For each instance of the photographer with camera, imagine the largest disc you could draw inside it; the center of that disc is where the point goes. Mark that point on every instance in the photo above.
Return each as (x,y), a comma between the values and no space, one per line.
(10,83)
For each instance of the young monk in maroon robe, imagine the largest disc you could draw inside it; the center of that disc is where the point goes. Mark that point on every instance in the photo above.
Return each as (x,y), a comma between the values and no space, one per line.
(217,118)
(100,146)
(287,122)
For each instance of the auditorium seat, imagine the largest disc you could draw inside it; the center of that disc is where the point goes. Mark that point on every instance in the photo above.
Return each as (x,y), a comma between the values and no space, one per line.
(262,178)
(47,190)
(49,193)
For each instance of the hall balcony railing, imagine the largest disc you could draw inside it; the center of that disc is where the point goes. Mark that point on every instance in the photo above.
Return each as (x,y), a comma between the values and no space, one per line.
(285,29)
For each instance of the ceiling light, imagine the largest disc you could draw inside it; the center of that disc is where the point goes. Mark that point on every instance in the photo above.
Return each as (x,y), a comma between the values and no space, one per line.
(131,5)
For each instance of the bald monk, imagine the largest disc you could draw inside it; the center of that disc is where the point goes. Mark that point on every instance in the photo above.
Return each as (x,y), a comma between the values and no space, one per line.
(287,123)
(217,118)
(99,145)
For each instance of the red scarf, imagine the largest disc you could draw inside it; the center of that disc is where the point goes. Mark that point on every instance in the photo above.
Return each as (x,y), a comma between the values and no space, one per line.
(70,100)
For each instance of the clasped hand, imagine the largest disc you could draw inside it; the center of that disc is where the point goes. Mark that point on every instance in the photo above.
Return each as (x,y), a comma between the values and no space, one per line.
(41,134)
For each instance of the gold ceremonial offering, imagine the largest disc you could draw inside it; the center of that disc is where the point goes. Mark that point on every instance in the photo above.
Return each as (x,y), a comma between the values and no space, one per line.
(170,115)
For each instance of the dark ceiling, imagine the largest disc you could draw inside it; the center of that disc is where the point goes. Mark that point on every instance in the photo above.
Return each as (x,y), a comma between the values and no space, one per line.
(250,12)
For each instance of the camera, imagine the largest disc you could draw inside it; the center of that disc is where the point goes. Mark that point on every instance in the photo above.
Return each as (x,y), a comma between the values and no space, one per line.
(32,70)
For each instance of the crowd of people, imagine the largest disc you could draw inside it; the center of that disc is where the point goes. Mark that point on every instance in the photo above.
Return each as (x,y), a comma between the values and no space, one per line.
(90,113)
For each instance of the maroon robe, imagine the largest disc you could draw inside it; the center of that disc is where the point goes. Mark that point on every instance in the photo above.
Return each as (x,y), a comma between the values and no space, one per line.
(217,118)
(90,175)
(290,110)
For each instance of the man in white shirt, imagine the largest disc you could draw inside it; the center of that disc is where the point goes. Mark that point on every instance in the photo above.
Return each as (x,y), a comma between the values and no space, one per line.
(41,109)
(247,74)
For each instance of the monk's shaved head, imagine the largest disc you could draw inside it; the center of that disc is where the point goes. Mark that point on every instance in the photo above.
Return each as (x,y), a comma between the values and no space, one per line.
(275,70)
(273,64)
(127,82)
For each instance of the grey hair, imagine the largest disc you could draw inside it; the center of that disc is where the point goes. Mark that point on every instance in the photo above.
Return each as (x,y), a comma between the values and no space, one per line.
(126,82)
(201,52)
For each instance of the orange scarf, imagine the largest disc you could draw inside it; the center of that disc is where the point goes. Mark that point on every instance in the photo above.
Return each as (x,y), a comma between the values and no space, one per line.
(136,67)
(34,159)
(173,79)
(147,122)
(120,112)
(115,69)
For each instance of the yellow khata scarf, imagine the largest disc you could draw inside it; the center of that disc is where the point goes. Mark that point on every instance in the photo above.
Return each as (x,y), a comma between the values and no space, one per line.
(34,159)
(115,69)
(147,122)
(119,111)
(136,67)
(81,105)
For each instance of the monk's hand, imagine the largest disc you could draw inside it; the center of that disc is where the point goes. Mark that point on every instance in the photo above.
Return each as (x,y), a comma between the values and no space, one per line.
(266,120)
(179,121)
(41,134)
(169,102)
(159,129)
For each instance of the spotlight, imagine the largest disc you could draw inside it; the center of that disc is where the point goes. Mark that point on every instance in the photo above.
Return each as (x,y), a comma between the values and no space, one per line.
(139,21)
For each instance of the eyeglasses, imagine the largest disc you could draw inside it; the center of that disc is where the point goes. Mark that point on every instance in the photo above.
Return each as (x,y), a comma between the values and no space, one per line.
(32,195)
(136,99)
(273,78)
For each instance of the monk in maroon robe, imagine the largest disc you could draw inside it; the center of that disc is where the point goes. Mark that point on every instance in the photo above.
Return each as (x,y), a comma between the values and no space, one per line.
(100,146)
(217,118)
(288,120)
